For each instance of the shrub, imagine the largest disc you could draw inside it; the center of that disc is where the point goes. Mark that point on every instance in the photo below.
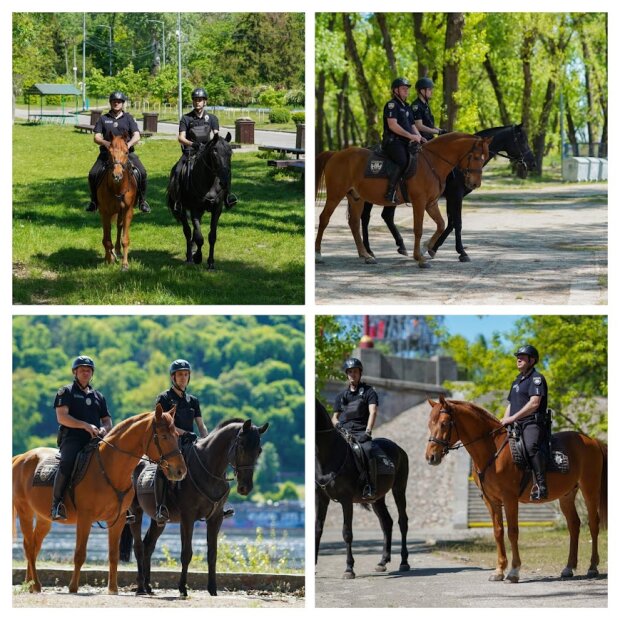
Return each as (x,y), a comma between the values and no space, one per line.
(279,115)
(298,117)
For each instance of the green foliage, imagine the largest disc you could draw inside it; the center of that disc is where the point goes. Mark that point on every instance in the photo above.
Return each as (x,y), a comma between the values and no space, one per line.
(574,358)
(333,345)
(263,381)
(298,117)
(271,97)
(279,115)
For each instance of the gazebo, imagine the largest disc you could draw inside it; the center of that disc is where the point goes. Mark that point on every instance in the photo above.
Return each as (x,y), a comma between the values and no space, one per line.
(62,90)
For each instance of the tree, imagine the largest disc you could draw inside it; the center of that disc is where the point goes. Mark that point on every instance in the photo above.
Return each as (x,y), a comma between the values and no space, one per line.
(268,469)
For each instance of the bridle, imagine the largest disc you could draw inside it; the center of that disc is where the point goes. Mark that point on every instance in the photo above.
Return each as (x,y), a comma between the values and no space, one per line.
(521,158)
(474,152)
(329,479)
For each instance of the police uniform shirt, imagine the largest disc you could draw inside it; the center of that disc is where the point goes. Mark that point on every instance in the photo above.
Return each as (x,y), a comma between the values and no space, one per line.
(188,408)
(354,406)
(399,110)
(108,125)
(523,387)
(86,405)
(421,111)
(188,121)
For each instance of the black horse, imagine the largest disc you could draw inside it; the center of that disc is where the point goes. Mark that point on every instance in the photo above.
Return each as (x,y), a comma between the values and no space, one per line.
(201,186)
(200,497)
(512,140)
(337,479)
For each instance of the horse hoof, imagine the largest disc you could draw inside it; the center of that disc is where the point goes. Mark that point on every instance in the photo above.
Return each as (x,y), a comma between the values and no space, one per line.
(430,253)
(403,568)
(142,593)
(113,592)
(402,250)
(567,573)
(496,577)
(422,264)
(592,573)
(318,258)
(512,577)
(348,575)
(197,259)
(380,568)
(125,268)
(370,260)
(464,258)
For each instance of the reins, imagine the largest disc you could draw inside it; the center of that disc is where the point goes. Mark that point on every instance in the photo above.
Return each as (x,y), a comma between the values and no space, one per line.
(331,477)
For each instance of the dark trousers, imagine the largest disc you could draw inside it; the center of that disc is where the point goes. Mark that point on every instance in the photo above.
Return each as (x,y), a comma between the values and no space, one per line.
(534,438)
(98,168)
(69,448)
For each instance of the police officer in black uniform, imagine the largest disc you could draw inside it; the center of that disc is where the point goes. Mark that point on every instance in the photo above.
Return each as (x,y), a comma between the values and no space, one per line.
(398,132)
(527,408)
(422,116)
(196,129)
(355,410)
(82,414)
(115,123)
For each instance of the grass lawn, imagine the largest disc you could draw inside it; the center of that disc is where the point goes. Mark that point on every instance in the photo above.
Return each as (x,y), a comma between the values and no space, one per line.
(57,250)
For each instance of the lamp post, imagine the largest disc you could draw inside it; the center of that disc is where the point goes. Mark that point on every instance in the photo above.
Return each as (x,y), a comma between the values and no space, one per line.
(109,43)
(163,37)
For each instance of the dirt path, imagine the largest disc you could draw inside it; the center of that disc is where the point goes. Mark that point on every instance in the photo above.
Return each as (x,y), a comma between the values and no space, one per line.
(547,246)
(436,581)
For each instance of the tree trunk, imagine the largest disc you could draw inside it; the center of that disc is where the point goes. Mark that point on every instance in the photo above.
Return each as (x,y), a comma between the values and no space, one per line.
(571,131)
(591,113)
(421,43)
(497,89)
(541,133)
(454,36)
(320,113)
(526,56)
(387,43)
(602,147)
(370,108)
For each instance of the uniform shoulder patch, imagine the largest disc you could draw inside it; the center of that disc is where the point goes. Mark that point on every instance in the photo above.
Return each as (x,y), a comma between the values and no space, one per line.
(414,108)
(537,380)
(61,391)
(391,105)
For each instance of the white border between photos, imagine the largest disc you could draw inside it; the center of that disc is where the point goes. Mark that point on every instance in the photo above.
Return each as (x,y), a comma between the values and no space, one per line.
(310,309)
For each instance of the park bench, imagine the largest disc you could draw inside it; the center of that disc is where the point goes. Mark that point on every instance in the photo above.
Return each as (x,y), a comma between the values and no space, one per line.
(284,150)
(57,119)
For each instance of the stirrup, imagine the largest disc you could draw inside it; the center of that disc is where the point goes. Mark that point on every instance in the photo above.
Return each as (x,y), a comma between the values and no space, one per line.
(538,493)
(231,201)
(390,196)
(368,492)
(130,518)
(144,207)
(230,512)
(162,516)
(92,206)
(59,512)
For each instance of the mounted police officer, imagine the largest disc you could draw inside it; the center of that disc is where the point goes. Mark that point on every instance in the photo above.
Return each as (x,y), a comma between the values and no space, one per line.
(398,132)
(355,410)
(196,129)
(82,413)
(116,122)
(422,116)
(527,408)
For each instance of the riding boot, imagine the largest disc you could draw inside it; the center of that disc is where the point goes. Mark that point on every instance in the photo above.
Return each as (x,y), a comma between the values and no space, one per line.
(58,508)
(162,516)
(230,201)
(370,490)
(228,512)
(144,206)
(390,195)
(539,490)
(92,205)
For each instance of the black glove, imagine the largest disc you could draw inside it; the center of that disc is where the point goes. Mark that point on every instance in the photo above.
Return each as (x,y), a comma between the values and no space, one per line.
(338,426)
(196,145)
(368,435)
(442,132)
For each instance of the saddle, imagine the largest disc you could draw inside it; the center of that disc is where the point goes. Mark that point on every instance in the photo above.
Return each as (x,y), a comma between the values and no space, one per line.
(361,456)
(556,460)
(45,472)
(380,166)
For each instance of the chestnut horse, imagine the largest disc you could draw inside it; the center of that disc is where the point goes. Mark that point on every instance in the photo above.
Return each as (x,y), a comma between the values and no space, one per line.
(454,424)
(117,195)
(104,494)
(343,174)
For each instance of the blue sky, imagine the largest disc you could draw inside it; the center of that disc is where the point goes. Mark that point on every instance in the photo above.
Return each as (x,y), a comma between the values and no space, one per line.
(471,326)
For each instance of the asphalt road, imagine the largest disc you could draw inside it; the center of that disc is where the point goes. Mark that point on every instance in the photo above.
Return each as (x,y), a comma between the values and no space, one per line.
(437,581)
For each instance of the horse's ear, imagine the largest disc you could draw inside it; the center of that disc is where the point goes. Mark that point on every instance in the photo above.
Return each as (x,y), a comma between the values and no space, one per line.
(173,411)
(247,425)
(158,411)
(432,403)
(263,428)
(443,401)
(228,137)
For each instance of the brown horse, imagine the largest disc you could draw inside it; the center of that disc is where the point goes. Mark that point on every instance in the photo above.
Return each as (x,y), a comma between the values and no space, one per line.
(343,174)
(454,424)
(117,195)
(104,494)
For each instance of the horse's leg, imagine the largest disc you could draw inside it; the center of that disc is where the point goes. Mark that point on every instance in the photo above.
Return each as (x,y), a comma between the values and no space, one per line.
(365,222)
(573,523)
(187,232)
(326,213)
(138,546)
(591,491)
(114,538)
(458,227)
(213,529)
(511,508)
(127,217)
(106,223)
(400,498)
(198,239)
(215,216)
(387,214)
(386,522)
(26,524)
(150,540)
(418,228)
(497,518)
(321,502)
(347,534)
(41,530)
(435,213)
(187,531)
(82,531)
(355,212)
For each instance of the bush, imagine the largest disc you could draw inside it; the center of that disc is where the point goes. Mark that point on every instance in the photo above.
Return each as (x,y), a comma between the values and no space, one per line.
(295,97)
(271,97)
(279,115)
(298,117)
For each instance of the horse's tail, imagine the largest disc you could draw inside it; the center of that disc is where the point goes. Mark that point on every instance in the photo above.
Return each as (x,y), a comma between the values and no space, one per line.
(14,522)
(125,544)
(602,506)
(319,169)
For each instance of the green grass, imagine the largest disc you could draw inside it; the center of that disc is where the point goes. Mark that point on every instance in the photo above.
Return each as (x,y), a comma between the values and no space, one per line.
(541,549)
(57,250)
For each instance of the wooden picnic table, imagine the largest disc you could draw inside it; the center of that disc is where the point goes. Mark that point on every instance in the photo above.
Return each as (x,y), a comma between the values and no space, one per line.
(60,119)
(284,149)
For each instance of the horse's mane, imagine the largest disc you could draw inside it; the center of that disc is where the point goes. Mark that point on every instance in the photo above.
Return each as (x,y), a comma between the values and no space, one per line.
(122,426)
(224,423)
(492,131)
(478,410)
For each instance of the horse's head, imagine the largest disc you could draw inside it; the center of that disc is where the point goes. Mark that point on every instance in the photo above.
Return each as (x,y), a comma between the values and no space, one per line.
(442,430)
(520,151)
(472,163)
(218,154)
(244,453)
(119,157)
(162,445)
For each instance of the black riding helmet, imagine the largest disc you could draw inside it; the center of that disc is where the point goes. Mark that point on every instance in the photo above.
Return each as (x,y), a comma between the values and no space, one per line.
(529,350)
(179,365)
(83,360)
(424,82)
(117,94)
(352,362)
(400,81)
(198,93)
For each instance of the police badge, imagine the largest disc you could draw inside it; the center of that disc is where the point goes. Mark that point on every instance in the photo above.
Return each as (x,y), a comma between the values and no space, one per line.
(537,380)
(376,166)
(89,401)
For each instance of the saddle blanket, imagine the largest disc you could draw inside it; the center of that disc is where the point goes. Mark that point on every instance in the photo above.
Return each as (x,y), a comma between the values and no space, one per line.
(557,462)
(379,166)
(45,472)
(146,480)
